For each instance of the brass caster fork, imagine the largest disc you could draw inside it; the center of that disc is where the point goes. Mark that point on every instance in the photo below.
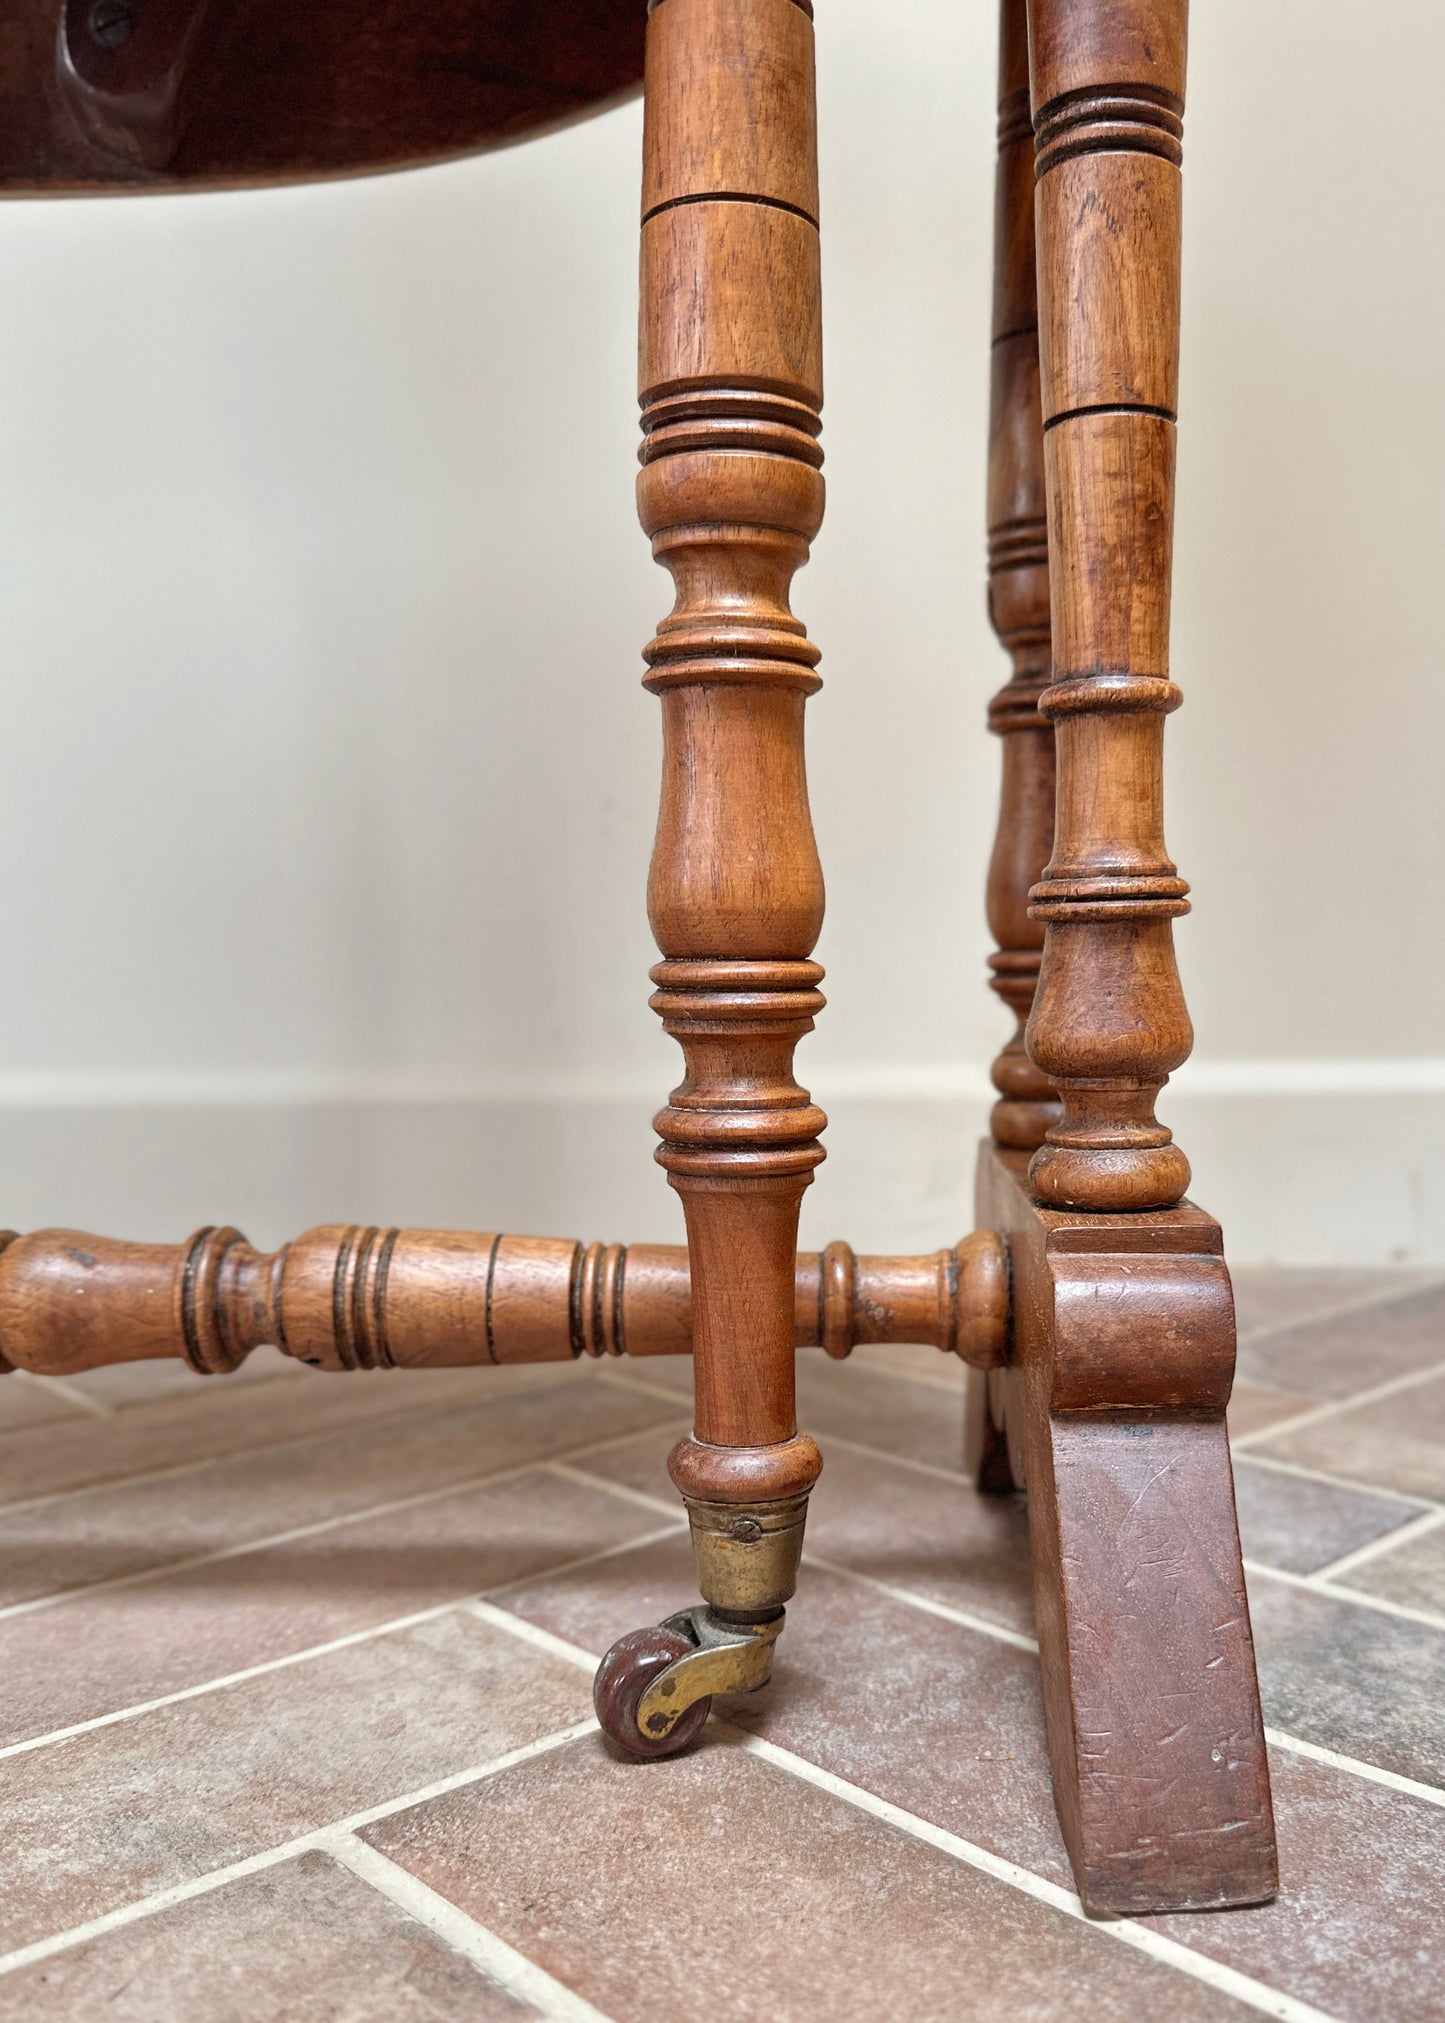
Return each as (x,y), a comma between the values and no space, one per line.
(654,1689)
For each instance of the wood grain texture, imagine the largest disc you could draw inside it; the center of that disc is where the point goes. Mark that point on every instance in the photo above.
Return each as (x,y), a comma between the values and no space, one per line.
(743,116)
(1018,601)
(730,383)
(204,93)
(1119,1372)
(1109,1024)
(344,1297)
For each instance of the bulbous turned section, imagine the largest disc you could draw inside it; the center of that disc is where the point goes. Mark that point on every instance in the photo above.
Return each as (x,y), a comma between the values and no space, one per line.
(956,1299)
(1111,1155)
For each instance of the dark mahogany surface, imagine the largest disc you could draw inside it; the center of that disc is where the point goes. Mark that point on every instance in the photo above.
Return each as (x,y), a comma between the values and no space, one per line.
(177,94)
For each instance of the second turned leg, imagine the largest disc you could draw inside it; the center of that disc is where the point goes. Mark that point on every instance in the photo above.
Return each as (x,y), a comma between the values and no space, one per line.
(1123,1348)
(1018,605)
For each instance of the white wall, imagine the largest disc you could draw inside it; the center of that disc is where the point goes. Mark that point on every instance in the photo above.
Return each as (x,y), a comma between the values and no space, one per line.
(328,783)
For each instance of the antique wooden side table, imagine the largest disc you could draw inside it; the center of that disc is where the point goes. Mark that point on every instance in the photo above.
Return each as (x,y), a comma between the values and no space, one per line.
(1094,1303)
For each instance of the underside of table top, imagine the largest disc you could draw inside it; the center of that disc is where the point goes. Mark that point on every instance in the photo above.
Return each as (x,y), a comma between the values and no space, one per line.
(105,96)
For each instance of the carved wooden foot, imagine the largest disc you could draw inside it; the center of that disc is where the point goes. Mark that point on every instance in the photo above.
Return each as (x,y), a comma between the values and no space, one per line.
(1121,1364)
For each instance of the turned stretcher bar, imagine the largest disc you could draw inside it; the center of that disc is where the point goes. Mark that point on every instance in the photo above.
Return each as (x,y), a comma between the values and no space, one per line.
(353,1298)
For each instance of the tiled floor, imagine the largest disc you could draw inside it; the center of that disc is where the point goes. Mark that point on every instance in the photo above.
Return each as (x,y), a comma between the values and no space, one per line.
(296,1704)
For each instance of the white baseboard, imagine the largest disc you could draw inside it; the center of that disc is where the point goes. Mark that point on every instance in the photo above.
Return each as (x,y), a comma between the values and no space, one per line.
(1303,1162)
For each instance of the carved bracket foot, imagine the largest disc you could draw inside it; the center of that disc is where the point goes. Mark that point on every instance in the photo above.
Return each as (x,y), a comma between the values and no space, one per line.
(1121,1364)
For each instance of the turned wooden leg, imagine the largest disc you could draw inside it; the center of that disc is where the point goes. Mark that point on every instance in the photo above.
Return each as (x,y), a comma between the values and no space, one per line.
(1018,601)
(731,389)
(1018,605)
(1123,1344)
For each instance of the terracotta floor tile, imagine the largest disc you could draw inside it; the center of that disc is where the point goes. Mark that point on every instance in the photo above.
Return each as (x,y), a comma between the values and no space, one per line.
(905,1359)
(1289,1522)
(837,1914)
(640,1463)
(805,1907)
(128,1645)
(305,1942)
(672,1374)
(1355,1351)
(124,1384)
(125,1811)
(949,1725)
(1271,1296)
(25,1402)
(213,1421)
(890,1412)
(1351,1678)
(120,1528)
(1252,1407)
(857,1401)
(894,1523)
(1412,1573)
(1396,1443)
(1356,1929)
(600,1603)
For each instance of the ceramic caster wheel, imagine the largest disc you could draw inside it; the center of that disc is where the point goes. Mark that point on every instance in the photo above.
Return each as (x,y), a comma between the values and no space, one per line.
(625,1674)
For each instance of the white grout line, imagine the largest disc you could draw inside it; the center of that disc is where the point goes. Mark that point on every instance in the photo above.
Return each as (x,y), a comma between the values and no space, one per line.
(570,1472)
(225,1679)
(501,1963)
(955,1477)
(376,1630)
(1315,1584)
(146,1576)
(983,1626)
(1403,1534)
(533,1633)
(1240,1450)
(925,1604)
(200,1886)
(1359,1304)
(626,1381)
(678,1527)
(1332,1406)
(557,1647)
(1277,1467)
(343,1429)
(148,1475)
(1353,1767)
(464,1486)
(1143,1938)
(810,1558)
(72,1394)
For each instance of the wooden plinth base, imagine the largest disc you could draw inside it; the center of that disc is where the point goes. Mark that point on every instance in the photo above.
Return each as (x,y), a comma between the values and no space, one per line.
(1111,1410)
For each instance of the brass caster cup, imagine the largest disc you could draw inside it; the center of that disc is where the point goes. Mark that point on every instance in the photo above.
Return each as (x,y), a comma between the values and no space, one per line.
(748,1555)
